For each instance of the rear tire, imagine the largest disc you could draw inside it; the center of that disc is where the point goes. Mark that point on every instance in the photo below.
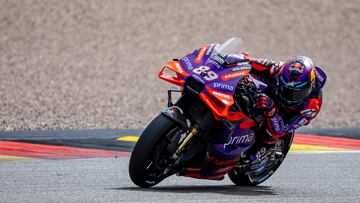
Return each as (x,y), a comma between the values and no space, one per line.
(247,179)
(143,152)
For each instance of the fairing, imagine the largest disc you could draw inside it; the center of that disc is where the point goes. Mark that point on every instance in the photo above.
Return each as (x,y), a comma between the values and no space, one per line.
(204,66)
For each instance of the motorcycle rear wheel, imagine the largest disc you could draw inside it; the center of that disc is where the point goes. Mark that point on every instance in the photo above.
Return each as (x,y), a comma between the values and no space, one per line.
(149,150)
(241,178)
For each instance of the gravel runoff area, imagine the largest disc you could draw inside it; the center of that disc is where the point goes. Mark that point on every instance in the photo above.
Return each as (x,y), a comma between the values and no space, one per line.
(93,64)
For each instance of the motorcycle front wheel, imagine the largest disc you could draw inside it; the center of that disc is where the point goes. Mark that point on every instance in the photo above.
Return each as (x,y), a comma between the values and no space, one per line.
(150,156)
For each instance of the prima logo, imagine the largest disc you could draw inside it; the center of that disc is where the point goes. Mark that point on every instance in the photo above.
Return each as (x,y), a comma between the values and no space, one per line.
(187,63)
(223,86)
(241,139)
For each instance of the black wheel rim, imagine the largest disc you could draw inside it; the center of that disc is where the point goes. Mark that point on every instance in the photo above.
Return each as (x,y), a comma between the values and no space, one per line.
(160,159)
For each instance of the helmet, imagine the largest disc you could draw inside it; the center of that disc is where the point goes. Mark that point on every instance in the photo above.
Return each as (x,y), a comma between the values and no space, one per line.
(295,80)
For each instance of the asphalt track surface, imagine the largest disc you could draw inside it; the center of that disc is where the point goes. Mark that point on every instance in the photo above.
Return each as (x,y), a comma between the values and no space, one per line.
(318,177)
(322,176)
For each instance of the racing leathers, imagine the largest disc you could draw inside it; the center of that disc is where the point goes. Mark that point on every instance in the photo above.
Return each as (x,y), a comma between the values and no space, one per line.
(277,120)
(281,119)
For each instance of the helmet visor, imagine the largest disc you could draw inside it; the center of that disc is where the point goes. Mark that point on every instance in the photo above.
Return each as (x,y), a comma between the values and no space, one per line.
(293,95)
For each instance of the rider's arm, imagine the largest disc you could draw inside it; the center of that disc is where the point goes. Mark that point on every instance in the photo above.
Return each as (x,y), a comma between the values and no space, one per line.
(265,68)
(277,127)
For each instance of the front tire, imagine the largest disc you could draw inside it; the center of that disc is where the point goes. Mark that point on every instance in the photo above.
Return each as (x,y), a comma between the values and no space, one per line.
(143,153)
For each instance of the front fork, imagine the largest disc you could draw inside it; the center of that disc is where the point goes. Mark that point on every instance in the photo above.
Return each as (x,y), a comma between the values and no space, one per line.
(185,143)
(177,114)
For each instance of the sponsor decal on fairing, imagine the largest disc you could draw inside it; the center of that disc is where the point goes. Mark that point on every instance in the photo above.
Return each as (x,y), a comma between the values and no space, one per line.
(241,66)
(201,54)
(178,66)
(219,59)
(206,72)
(223,97)
(216,93)
(233,75)
(210,49)
(223,86)
(187,63)
(214,63)
(241,139)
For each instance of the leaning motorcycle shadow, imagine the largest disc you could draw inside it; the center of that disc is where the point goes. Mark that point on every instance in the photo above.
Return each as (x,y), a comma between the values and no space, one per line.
(220,189)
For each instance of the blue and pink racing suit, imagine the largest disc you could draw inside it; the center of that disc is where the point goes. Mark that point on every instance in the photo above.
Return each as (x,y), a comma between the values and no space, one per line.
(281,122)
(287,118)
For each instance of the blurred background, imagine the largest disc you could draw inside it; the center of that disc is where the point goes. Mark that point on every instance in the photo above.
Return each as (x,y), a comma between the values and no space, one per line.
(93,64)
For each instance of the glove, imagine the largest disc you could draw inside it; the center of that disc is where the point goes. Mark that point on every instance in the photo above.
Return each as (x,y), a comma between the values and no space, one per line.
(265,62)
(265,102)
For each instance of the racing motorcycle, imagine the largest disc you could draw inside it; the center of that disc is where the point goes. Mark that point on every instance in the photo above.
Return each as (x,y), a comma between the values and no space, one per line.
(182,133)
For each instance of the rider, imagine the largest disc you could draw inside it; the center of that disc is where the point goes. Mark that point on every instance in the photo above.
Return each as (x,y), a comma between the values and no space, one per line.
(293,97)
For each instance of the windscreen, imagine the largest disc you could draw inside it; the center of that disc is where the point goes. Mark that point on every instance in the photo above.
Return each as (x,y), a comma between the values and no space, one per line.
(233,45)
